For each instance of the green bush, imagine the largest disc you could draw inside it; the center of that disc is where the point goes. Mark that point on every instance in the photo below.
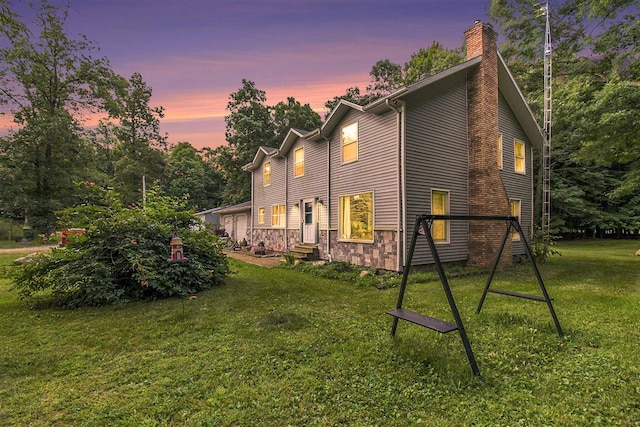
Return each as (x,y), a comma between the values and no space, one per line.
(340,270)
(123,256)
(10,230)
(542,246)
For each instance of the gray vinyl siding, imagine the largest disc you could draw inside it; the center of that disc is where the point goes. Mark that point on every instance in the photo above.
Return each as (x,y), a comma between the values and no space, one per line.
(518,186)
(267,196)
(375,170)
(312,185)
(437,158)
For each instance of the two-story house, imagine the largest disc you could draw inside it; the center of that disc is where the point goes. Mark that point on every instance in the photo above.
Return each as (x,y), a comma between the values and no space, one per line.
(457,143)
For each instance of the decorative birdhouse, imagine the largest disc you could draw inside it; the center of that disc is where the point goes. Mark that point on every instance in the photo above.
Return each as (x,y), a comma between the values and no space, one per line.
(177,253)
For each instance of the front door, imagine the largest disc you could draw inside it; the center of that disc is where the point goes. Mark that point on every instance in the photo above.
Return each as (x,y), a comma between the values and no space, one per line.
(308,222)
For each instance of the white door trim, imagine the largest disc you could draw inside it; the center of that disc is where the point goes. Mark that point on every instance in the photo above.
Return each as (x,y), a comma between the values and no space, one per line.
(308,212)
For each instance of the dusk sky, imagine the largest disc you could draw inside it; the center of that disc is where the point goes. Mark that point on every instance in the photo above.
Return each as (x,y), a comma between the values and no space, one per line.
(194,53)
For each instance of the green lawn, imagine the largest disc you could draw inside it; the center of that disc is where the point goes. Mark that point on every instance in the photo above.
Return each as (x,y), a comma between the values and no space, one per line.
(279,347)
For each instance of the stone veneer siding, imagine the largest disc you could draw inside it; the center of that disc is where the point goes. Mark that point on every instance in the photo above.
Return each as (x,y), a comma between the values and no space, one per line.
(382,253)
(273,238)
(293,238)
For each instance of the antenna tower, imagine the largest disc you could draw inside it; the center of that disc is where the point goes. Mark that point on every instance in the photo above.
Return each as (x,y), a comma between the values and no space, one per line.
(546,148)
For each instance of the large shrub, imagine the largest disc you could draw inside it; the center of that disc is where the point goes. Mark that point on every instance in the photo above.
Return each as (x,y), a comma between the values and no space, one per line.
(123,256)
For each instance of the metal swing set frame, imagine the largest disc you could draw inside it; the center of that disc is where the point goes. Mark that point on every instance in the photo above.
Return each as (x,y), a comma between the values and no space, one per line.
(423,227)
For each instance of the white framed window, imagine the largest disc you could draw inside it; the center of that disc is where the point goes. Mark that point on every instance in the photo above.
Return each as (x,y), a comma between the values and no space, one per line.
(516,210)
(260,215)
(277,216)
(298,159)
(519,156)
(356,217)
(500,156)
(440,206)
(349,140)
(266,173)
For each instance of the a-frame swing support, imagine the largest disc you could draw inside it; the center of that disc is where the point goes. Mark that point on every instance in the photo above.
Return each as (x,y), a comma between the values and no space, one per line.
(423,227)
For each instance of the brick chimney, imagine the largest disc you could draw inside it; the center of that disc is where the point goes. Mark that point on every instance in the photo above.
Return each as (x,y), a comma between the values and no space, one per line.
(487,195)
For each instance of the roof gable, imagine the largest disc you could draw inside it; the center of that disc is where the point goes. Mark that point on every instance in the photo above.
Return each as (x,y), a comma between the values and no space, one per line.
(292,136)
(263,151)
(337,114)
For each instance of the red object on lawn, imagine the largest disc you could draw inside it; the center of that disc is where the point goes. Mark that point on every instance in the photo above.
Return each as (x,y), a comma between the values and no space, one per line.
(177,252)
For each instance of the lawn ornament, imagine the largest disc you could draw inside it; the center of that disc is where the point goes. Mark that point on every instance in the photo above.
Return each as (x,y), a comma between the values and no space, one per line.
(177,251)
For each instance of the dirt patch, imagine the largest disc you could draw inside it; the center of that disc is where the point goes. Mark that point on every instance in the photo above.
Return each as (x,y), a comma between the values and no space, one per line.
(263,261)
(26,249)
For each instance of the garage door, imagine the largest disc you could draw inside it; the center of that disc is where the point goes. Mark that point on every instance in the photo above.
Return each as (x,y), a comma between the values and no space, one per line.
(227,224)
(241,227)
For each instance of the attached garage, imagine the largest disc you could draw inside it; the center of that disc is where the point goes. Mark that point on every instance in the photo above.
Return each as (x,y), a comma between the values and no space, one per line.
(235,220)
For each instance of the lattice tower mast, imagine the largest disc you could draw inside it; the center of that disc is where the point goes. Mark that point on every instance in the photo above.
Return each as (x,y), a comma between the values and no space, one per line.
(546,148)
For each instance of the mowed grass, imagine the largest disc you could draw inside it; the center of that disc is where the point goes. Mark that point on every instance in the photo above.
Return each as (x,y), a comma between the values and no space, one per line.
(279,347)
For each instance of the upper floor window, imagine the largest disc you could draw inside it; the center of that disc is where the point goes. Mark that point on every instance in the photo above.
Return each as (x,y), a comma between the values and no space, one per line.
(519,156)
(260,215)
(356,217)
(500,162)
(298,158)
(440,206)
(516,206)
(266,173)
(277,215)
(349,138)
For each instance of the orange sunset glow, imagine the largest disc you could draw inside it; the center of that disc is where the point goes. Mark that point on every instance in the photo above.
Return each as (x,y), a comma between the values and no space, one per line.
(195,53)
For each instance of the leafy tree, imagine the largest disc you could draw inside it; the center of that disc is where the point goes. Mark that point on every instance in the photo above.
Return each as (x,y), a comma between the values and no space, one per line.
(48,81)
(387,76)
(140,150)
(251,124)
(293,115)
(214,179)
(123,257)
(104,141)
(6,15)
(596,143)
(353,95)
(430,61)
(187,176)
(237,188)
